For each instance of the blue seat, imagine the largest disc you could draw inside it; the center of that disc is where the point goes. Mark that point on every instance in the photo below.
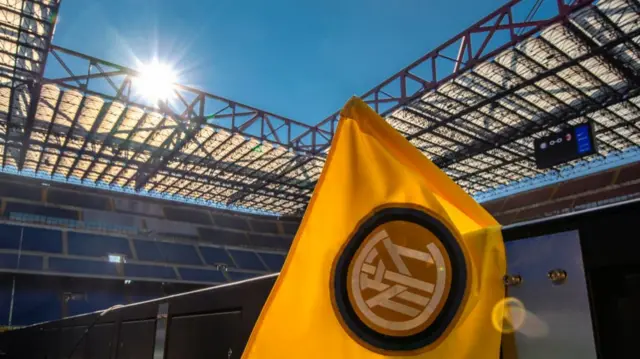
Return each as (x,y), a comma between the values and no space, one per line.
(82,266)
(273,260)
(42,240)
(92,245)
(214,255)
(26,261)
(10,236)
(33,305)
(202,275)
(166,252)
(148,271)
(247,260)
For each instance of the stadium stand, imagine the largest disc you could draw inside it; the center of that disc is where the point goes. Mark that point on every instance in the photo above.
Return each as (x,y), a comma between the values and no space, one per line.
(62,232)
(72,234)
(602,188)
(68,249)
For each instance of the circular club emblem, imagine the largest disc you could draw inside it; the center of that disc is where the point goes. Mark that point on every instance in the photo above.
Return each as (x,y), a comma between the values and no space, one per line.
(400,280)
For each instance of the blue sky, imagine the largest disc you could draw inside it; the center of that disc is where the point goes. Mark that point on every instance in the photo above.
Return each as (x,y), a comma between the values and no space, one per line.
(298,58)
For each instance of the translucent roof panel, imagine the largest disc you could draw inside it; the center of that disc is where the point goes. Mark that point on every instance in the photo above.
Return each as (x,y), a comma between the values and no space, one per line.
(81,122)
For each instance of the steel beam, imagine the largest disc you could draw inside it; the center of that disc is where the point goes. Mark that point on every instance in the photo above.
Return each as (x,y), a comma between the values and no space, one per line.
(239,118)
(530,128)
(396,91)
(36,84)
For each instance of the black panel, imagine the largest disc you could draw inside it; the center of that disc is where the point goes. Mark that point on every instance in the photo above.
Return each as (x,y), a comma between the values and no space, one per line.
(13,190)
(136,339)
(202,324)
(169,234)
(73,346)
(218,236)
(569,144)
(99,341)
(53,212)
(77,199)
(264,227)
(232,222)
(205,336)
(290,227)
(187,215)
(270,241)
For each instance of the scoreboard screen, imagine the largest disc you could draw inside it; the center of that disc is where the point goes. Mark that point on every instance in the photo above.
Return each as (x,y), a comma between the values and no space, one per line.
(569,144)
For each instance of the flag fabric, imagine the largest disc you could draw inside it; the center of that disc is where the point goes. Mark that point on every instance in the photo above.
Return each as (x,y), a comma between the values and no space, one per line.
(392,259)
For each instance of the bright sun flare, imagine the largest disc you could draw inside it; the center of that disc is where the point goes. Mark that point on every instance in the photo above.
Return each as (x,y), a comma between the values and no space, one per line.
(156,81)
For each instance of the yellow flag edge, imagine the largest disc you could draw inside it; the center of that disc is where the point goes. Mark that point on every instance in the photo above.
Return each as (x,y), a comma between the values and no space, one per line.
(356,104)
(294,244)
(444,187)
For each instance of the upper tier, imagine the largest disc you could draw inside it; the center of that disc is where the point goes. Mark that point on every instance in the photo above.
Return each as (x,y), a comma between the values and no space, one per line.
(69,206)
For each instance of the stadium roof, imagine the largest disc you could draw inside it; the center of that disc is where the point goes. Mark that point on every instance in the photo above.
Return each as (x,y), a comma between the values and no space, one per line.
(473,105)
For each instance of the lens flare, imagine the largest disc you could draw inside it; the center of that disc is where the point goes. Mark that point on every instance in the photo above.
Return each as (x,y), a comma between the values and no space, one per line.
(508,315)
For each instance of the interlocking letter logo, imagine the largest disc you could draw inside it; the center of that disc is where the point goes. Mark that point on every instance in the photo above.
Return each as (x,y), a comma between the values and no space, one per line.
(386,291)
(399,281)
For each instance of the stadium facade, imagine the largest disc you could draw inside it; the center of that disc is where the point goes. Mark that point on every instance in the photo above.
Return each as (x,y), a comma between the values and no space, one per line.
(109,198)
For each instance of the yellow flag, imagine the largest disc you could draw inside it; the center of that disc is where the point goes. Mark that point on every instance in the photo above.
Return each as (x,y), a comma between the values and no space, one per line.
(392,259)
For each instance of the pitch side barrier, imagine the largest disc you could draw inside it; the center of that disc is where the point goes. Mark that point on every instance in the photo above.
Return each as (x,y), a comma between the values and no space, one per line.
(575,279)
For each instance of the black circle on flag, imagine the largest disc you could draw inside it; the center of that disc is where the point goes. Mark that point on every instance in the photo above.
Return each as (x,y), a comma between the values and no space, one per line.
(400,280)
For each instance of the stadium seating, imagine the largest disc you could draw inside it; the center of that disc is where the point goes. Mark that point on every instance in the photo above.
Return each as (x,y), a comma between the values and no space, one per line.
(202,275)
(148,271)
(77,199)
(20,191)
(187,215)
(84,234)
(219,236)
(273,260)
(20,261)
(35,305)
(215,256)
(94,245)
(42,240)
(82,266)
(269,227)
(172,229)
(615,185)
(232,222)
(247,260)
(10,236)
(41,210)
(154,251)
(290,227)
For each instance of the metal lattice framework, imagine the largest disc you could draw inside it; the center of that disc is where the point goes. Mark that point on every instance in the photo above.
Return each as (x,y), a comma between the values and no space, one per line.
(473,106)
